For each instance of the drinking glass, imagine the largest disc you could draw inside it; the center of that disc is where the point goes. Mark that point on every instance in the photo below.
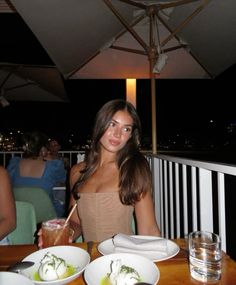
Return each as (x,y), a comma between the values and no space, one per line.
(205,256)
(55,232)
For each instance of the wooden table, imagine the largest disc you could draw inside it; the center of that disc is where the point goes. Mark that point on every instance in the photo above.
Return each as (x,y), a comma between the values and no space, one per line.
(174,271)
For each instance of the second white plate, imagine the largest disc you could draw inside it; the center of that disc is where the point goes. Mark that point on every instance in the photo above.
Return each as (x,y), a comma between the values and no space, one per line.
(107,247)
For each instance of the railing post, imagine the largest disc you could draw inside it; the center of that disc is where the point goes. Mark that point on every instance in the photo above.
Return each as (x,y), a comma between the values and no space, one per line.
(185,200)
(194,198)
(166,218)
(206,213)
(171,200)
(221,209)
(177,203)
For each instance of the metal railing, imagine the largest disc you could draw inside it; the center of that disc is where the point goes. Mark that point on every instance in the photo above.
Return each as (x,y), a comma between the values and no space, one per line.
(72,156)
(188,194)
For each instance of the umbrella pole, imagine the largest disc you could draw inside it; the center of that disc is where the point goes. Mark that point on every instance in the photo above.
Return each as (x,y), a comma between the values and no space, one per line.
(153,102)
(152,56)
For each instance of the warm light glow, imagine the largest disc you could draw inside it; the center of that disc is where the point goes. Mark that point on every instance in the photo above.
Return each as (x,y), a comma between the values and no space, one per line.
(131,91)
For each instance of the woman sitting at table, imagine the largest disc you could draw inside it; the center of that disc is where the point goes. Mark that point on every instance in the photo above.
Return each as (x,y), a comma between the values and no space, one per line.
(114,180)
(34,171)
(7,207)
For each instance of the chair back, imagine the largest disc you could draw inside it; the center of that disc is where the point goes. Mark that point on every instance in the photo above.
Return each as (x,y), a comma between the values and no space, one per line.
(134,225)
(25,224)
(41,201)
(79,239)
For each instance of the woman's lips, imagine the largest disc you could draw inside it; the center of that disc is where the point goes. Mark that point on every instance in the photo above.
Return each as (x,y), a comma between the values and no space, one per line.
(114,142)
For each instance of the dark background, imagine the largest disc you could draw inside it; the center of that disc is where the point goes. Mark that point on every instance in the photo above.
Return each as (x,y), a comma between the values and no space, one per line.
(194,110)
(184,109)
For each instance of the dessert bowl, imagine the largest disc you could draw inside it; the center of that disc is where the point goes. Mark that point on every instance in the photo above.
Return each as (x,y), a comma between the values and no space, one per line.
(97,270)
(75,258)
(12,278)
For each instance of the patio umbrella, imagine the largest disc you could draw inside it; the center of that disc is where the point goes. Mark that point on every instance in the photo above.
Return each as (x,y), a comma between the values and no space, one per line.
(31,83)
(85,38)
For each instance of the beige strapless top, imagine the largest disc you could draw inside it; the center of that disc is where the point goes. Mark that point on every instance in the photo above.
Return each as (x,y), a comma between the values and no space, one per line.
(102,216)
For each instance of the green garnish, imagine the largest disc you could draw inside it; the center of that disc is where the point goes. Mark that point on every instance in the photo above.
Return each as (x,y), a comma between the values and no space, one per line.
(128,269)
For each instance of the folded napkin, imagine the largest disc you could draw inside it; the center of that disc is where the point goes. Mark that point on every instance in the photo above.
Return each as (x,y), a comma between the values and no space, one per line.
(153,248)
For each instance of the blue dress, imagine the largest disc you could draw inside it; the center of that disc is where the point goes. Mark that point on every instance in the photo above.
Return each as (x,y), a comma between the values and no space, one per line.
(54,174)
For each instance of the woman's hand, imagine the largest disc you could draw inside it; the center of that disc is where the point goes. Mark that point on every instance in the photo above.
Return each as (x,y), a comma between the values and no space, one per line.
(71,235)
(40,239)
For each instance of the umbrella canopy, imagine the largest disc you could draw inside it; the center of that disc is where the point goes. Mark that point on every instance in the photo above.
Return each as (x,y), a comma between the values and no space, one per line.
(89,38)
(31,83)
(135,38)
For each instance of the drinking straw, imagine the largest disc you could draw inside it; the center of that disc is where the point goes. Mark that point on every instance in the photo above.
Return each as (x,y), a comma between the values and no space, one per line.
(71,212)
(67,220)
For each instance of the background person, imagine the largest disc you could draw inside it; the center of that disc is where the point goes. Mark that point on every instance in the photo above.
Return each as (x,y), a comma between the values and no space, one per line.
(34,171)
(7,207)
(54,147)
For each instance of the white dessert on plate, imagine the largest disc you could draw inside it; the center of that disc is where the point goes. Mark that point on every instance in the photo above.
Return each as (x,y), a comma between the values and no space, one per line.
(122,274)
(52,267)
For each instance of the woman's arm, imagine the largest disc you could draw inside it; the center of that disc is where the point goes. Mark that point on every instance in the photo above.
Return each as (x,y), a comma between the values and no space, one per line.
(75,220)
(145,216)
(7,205)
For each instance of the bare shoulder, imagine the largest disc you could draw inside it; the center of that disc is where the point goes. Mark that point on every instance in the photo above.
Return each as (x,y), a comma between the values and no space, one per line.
(5,179)
(3,171)
(77,167)
(75,172)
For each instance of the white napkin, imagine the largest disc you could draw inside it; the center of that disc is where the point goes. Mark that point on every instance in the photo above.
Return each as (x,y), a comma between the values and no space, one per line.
(153,248)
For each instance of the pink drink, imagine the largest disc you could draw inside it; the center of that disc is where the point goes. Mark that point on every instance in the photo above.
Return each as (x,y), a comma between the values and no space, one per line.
(55,232)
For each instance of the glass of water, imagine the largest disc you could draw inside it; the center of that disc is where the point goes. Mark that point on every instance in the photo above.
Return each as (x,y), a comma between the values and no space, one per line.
(205,256)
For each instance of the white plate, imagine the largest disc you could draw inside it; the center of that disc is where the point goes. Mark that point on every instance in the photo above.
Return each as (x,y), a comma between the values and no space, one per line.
(107,247)
(75,256)
(98,269)
(10,278)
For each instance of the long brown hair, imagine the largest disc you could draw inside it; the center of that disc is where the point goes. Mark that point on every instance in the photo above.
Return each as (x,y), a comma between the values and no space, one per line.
(134,171)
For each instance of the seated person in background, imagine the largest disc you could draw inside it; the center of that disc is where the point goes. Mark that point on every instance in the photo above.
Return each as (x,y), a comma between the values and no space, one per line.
(7,207)
(53,149)
(43,152)
(34,171)
(53,152)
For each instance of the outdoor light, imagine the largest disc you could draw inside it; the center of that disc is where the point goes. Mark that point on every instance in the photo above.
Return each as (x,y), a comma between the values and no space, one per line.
(131,90)
(160,63)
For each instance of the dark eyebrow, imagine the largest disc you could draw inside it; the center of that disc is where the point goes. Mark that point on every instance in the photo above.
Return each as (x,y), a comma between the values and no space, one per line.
(127,125)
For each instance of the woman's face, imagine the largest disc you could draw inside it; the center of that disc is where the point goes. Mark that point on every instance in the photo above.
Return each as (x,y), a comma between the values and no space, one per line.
(43,152)
(118,132)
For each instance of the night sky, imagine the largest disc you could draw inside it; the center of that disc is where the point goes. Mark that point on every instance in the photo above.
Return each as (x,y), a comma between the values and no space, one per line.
(183,106)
